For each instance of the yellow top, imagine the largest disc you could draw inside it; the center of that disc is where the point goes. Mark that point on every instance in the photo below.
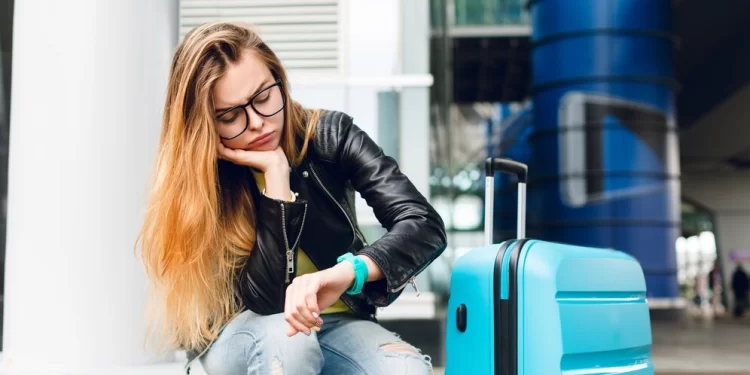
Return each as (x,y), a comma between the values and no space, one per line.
(304,265)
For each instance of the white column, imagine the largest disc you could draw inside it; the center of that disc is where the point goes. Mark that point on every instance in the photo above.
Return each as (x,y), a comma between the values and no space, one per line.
(414,125)
(414,132)
(89,79)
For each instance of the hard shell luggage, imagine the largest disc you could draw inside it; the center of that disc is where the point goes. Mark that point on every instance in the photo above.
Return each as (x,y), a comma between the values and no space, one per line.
(532,307)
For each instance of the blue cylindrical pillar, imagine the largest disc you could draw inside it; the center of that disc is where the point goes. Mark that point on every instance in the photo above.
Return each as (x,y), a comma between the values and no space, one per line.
(605,168)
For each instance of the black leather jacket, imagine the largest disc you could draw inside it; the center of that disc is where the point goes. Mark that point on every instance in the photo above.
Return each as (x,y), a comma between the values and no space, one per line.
(322,221)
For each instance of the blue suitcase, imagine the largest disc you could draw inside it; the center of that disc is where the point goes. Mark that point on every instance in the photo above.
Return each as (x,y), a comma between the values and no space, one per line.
(529,307)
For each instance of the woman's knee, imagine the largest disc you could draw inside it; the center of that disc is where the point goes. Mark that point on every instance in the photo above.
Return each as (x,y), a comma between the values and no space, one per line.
(299,354)
(235,352)
(259,345)
(399,357)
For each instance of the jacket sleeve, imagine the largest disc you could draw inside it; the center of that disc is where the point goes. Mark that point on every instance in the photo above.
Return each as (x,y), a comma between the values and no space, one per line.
(415,232)
(263,279)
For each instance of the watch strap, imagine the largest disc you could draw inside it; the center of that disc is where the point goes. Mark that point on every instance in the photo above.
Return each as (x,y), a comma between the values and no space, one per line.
(360,272)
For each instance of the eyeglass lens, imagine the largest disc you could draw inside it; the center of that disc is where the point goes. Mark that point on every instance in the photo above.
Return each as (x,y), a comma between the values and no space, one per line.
(267,103)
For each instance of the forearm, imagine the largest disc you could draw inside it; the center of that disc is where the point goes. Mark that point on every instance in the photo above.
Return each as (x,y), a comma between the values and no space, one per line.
(374,272)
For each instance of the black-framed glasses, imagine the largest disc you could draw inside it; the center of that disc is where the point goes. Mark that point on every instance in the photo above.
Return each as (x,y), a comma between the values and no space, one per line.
(267,102)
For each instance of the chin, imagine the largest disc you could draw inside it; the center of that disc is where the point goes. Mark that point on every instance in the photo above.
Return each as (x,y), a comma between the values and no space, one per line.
(261,148)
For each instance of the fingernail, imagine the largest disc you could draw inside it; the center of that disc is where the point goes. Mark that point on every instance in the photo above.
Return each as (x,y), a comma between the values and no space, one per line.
(317,329)
(315,315)
(307,333)
(319,323)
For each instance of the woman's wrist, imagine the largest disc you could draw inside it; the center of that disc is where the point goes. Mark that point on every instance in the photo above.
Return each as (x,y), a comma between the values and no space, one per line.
(277,183)
(345,271)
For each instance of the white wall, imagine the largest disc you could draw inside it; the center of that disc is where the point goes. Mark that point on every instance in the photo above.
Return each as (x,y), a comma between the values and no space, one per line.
(387,42)
(728,196)
(89,79)
(371,47)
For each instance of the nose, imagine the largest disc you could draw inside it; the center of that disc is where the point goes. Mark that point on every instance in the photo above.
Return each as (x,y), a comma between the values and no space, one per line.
(255,120)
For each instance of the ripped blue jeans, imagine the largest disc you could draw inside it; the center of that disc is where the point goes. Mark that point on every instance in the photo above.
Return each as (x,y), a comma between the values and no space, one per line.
(255,344)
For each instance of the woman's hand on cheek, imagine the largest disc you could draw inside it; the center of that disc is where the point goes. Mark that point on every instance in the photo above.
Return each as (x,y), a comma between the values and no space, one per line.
(263,161)
(310,294)
(273,164)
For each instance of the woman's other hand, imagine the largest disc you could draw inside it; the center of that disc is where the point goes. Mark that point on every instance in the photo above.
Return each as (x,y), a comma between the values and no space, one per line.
(312,293)
(273,164)
(264,161)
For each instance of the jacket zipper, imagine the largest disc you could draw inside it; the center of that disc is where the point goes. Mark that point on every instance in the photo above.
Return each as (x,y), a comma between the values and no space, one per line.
(351,224)
(411,280)
(290,250)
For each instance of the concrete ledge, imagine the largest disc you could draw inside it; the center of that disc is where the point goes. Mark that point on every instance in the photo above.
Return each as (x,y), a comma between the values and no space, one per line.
(410,306)
(155,369)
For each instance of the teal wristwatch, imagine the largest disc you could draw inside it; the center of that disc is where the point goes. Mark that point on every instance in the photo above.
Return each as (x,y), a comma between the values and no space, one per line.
(360,272)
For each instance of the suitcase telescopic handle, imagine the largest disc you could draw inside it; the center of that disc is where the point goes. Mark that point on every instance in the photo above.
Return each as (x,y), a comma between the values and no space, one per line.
(521,171)
(492,165)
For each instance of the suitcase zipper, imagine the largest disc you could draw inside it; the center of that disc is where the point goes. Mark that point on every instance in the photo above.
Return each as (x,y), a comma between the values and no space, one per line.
(506,307)
(504,272)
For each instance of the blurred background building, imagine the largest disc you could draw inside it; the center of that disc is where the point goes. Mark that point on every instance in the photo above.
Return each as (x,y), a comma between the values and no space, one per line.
(631,115)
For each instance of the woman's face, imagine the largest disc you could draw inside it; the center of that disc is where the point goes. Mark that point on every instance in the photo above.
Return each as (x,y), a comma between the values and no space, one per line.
(249,104)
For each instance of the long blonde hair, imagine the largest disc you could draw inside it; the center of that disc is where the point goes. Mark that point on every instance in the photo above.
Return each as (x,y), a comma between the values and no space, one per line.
(199,224)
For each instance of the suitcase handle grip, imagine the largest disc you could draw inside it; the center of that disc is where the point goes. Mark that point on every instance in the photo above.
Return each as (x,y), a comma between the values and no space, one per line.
(492,165)
(521,170)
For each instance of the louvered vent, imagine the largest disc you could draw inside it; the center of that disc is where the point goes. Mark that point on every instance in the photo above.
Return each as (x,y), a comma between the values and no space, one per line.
(303,33)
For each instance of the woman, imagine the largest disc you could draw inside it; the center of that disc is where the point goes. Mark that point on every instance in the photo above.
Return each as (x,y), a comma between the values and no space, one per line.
(251,238)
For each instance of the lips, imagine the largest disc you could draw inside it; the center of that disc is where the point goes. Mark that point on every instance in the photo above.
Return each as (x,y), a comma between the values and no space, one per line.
(261,140)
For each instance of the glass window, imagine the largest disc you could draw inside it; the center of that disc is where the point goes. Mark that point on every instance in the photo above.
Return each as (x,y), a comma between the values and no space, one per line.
(490,12)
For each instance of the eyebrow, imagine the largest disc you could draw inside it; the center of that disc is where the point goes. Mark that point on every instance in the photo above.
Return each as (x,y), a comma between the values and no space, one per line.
(257,89)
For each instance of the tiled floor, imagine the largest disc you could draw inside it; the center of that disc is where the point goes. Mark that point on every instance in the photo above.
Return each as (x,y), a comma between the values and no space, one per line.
(715,347)
(691,347)
(699,346)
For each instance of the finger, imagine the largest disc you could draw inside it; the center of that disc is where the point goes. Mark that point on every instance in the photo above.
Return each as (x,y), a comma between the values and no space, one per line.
(254,159)
(225,152)
(290,331)
(290,311)
(302,313)
(220,149)
(228,153)
(311,302)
